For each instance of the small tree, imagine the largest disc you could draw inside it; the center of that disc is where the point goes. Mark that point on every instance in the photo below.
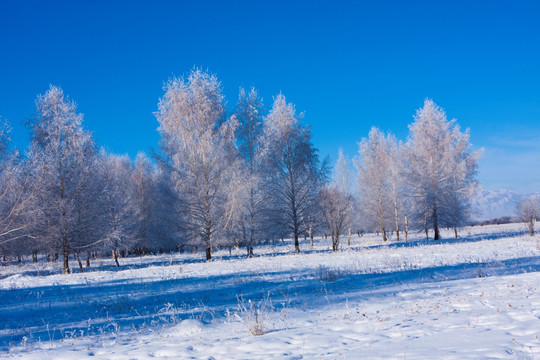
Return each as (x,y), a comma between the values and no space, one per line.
(336,208)
(529,212)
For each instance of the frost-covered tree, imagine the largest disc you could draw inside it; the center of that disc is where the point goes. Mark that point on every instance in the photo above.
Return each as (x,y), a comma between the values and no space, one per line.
(157,208)
(166,229)
(342,177)
(441,169)
(396,161)
(528,211)
(61,159)
(374,179)
(295,175)
(252,220)
(118,208)
(462,184)
(143,179)
(336,201)
(16,199)
(199,145)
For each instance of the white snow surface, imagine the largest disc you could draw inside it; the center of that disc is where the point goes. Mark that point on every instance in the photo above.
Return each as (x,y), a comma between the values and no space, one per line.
(475,297)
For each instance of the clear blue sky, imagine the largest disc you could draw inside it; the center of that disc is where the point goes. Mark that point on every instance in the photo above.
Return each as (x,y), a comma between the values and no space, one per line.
(348,65)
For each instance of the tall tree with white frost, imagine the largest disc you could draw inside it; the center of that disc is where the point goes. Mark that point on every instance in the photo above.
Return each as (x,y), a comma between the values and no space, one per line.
(295,174)
(199,145)
(441,168)
(61,156)
(250,119)
(374,178)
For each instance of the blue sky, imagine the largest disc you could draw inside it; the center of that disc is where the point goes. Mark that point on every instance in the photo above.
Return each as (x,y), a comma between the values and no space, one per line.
(348,65)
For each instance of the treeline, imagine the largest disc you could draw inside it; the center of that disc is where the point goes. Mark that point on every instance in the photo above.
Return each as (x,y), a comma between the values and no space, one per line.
(222,179)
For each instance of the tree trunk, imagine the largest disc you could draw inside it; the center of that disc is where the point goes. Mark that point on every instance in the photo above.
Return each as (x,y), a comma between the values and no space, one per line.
(116,255)
(406,228)
(310,231)
(66,270)
(87,259)
(436,234)
(296,243)
(81,269)
(208,254)
(455,231)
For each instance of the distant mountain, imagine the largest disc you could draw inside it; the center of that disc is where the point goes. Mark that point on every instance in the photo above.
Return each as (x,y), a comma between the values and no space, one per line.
(495,204)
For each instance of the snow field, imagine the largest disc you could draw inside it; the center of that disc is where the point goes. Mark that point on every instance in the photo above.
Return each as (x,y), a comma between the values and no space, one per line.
(474,297)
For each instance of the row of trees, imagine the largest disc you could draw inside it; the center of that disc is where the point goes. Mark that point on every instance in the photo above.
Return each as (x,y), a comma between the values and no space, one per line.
(222,179)
(64,197)
(426,182)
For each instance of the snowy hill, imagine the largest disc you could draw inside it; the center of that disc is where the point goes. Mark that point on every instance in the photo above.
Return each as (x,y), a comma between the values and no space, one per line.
(495,204)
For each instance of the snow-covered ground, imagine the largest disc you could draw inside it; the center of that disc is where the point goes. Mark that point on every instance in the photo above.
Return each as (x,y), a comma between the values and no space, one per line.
(474,297)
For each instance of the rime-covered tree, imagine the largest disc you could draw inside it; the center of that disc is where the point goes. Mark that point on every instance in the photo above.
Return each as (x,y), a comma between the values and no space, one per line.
(462,184)
(295,175)
(396,161)
(251,221)
(61,156)
(199,145)
(16,199)
(166,229)
(374,179)
(336,201)
(119,215)
(528,211)
(342,177)
(441,168)
(143,179)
